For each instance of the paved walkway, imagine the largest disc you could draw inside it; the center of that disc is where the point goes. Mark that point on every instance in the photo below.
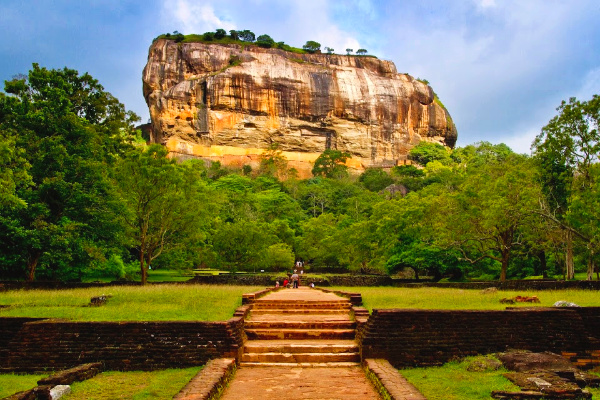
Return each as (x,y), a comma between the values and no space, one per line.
(289,383)
(302,347)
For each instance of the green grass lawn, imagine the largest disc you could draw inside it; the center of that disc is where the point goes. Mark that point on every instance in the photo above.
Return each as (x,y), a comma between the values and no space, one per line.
(13,383)
(452,381)
(167,302)
(137,385)
(466,299)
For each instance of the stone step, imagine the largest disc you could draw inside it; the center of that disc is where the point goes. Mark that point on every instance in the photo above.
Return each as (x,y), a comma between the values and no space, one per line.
(293,311)
(299,305)
(299,325)
(301,365)
(301,346)
(300,357)
(274,334)
(309,317)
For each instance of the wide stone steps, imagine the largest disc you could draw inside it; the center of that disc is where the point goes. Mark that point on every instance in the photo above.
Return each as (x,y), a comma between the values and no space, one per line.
(292,305)
(320,325)
(299,334)
(300,357)
(302,311)
(301,365)
(301,346)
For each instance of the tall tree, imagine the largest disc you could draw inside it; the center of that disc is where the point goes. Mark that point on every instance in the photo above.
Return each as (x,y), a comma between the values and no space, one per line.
(165,203)
(567,148)
(63,130)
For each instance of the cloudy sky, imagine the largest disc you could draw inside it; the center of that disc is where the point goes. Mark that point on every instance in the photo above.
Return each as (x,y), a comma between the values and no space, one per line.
(501,67)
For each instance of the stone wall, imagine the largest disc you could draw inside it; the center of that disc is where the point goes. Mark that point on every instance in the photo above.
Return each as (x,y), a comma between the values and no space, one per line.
(37,345)
(432,337)
(268,279)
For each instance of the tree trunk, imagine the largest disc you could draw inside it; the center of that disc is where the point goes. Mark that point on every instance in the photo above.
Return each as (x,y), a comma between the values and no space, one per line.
(543,263)
(569,264)
(590,270)
(504,268)
(32,263)
(142,267)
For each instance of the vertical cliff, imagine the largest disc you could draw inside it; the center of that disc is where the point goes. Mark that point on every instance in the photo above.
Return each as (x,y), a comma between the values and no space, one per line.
(230,102)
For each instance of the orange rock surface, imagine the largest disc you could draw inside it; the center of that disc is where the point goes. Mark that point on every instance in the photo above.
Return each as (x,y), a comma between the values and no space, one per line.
(230,103)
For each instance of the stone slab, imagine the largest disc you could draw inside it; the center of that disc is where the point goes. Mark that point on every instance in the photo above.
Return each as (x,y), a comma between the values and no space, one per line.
(292,383)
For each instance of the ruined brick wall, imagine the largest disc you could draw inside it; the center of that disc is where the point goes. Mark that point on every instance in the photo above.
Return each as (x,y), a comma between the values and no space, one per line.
(432,337)
(54,344)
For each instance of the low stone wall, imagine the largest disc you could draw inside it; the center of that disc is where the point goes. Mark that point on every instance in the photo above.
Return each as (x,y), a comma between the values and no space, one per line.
(55,344)
(507,285)
(432,337)
(268,280)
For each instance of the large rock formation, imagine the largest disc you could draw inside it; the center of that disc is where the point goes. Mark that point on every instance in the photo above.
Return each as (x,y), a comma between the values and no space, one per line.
(230,102)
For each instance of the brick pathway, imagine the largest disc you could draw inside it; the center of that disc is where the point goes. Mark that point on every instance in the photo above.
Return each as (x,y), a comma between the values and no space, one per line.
(301,346)
(289,383)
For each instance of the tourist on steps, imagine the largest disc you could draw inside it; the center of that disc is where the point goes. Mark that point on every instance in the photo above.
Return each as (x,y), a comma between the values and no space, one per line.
(295,280)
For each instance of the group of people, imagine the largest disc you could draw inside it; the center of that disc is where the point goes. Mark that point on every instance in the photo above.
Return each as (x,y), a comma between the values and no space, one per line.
(294,278)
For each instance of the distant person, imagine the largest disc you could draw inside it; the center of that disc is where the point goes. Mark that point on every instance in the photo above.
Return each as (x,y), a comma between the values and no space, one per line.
(285,282)
(295,280)
(312,284)
(276,284)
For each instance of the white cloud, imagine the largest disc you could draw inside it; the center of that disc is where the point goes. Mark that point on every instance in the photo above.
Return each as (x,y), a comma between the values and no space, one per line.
(192,17)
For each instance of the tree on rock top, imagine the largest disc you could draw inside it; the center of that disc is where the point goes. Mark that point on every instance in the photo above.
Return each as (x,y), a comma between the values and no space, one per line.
(312,46)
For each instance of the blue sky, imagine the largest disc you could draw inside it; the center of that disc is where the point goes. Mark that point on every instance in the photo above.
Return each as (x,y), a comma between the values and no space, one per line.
(501,67)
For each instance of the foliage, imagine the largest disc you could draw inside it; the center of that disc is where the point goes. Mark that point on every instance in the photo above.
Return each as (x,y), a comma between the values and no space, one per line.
(375,179)
(330,164)
(60,131)
(265,41)
(311,46)
(349,51)
(361,52)
(426,152)
(246,36)
(164,203)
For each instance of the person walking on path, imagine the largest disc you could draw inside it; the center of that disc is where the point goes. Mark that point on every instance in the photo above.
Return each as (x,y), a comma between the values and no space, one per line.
(295,280)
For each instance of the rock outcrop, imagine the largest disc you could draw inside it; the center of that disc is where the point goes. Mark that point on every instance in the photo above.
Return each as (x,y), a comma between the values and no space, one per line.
(231,102)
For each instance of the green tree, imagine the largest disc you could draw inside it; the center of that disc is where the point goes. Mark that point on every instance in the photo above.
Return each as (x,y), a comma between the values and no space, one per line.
(426,152)
(220,34)
(246,36)
(234,34)
(361,52)
(265,41)
(375,179)
(69,132)
(165,203)
(567,148)
(486,216)
(311,46)
(329,50)
(331,164)
(349,51)
(273,162)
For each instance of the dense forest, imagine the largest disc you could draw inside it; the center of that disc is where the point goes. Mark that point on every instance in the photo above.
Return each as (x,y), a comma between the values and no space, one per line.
(82,195)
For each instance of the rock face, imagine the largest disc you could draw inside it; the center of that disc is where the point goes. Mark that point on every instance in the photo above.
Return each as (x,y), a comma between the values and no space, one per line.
(229,103)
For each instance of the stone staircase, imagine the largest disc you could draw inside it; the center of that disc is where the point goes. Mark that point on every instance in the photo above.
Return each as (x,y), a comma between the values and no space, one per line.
(295,327)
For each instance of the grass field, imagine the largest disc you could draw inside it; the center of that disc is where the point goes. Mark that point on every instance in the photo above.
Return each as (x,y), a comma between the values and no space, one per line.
(137,385)
(168,302)
(452,381)
(12,383)
(456,299)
